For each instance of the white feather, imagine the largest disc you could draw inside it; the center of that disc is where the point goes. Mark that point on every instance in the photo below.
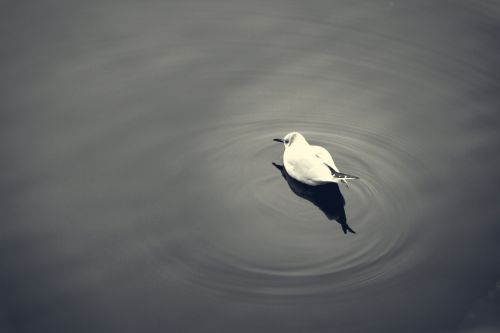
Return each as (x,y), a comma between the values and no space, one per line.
(309,164)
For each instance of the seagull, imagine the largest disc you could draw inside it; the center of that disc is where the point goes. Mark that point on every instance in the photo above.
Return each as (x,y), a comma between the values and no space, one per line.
(311,165)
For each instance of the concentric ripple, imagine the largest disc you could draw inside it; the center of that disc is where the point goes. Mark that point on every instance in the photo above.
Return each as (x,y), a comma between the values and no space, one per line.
(258,237)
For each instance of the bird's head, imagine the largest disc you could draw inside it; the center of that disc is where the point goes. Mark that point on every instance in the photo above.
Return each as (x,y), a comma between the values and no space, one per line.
(292,138)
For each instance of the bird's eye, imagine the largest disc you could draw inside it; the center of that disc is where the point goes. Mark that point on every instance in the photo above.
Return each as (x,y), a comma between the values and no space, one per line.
(286,141)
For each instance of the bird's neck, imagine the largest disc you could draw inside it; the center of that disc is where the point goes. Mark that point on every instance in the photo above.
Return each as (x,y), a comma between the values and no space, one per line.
(299,144)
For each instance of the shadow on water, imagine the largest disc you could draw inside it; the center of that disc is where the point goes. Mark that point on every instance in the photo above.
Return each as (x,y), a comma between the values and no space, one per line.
(327,198)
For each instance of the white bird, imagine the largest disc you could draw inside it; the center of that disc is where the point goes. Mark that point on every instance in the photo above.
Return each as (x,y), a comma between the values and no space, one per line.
(312,165)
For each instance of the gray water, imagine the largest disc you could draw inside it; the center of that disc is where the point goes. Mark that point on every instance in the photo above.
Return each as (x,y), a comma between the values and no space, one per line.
(138,192)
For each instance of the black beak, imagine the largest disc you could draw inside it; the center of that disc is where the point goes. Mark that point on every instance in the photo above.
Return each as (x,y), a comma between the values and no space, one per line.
(278,140)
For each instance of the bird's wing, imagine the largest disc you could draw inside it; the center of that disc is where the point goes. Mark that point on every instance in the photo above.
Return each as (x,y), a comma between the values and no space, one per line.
(324,156)
(340,175)
(327,159)
(305,166)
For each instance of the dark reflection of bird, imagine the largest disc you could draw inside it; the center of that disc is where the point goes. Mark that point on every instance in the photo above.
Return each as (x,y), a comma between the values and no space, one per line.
(326,197)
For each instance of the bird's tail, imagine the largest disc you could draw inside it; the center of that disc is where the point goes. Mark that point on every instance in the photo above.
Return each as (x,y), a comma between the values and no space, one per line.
(346,228)
(339,175)
(343,176)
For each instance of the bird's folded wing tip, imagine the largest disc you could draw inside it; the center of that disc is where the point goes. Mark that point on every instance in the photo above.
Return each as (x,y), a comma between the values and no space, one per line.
(343,176)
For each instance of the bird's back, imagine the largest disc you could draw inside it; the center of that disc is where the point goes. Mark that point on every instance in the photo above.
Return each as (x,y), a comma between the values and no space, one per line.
(302,164)
(324,156)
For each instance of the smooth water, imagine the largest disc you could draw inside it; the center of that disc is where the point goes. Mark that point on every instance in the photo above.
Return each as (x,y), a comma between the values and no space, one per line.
(137,180)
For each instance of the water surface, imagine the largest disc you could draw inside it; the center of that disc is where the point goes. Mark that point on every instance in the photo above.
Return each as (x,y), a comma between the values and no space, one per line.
(139,194)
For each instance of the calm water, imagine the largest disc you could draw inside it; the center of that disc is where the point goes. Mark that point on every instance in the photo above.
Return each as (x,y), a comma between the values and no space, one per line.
(137,180)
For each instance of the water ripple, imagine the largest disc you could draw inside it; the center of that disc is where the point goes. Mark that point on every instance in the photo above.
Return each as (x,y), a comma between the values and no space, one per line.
(291,248)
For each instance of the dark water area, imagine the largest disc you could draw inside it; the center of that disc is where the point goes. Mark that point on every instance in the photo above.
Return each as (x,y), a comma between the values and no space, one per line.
(138,192)
(326,197)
